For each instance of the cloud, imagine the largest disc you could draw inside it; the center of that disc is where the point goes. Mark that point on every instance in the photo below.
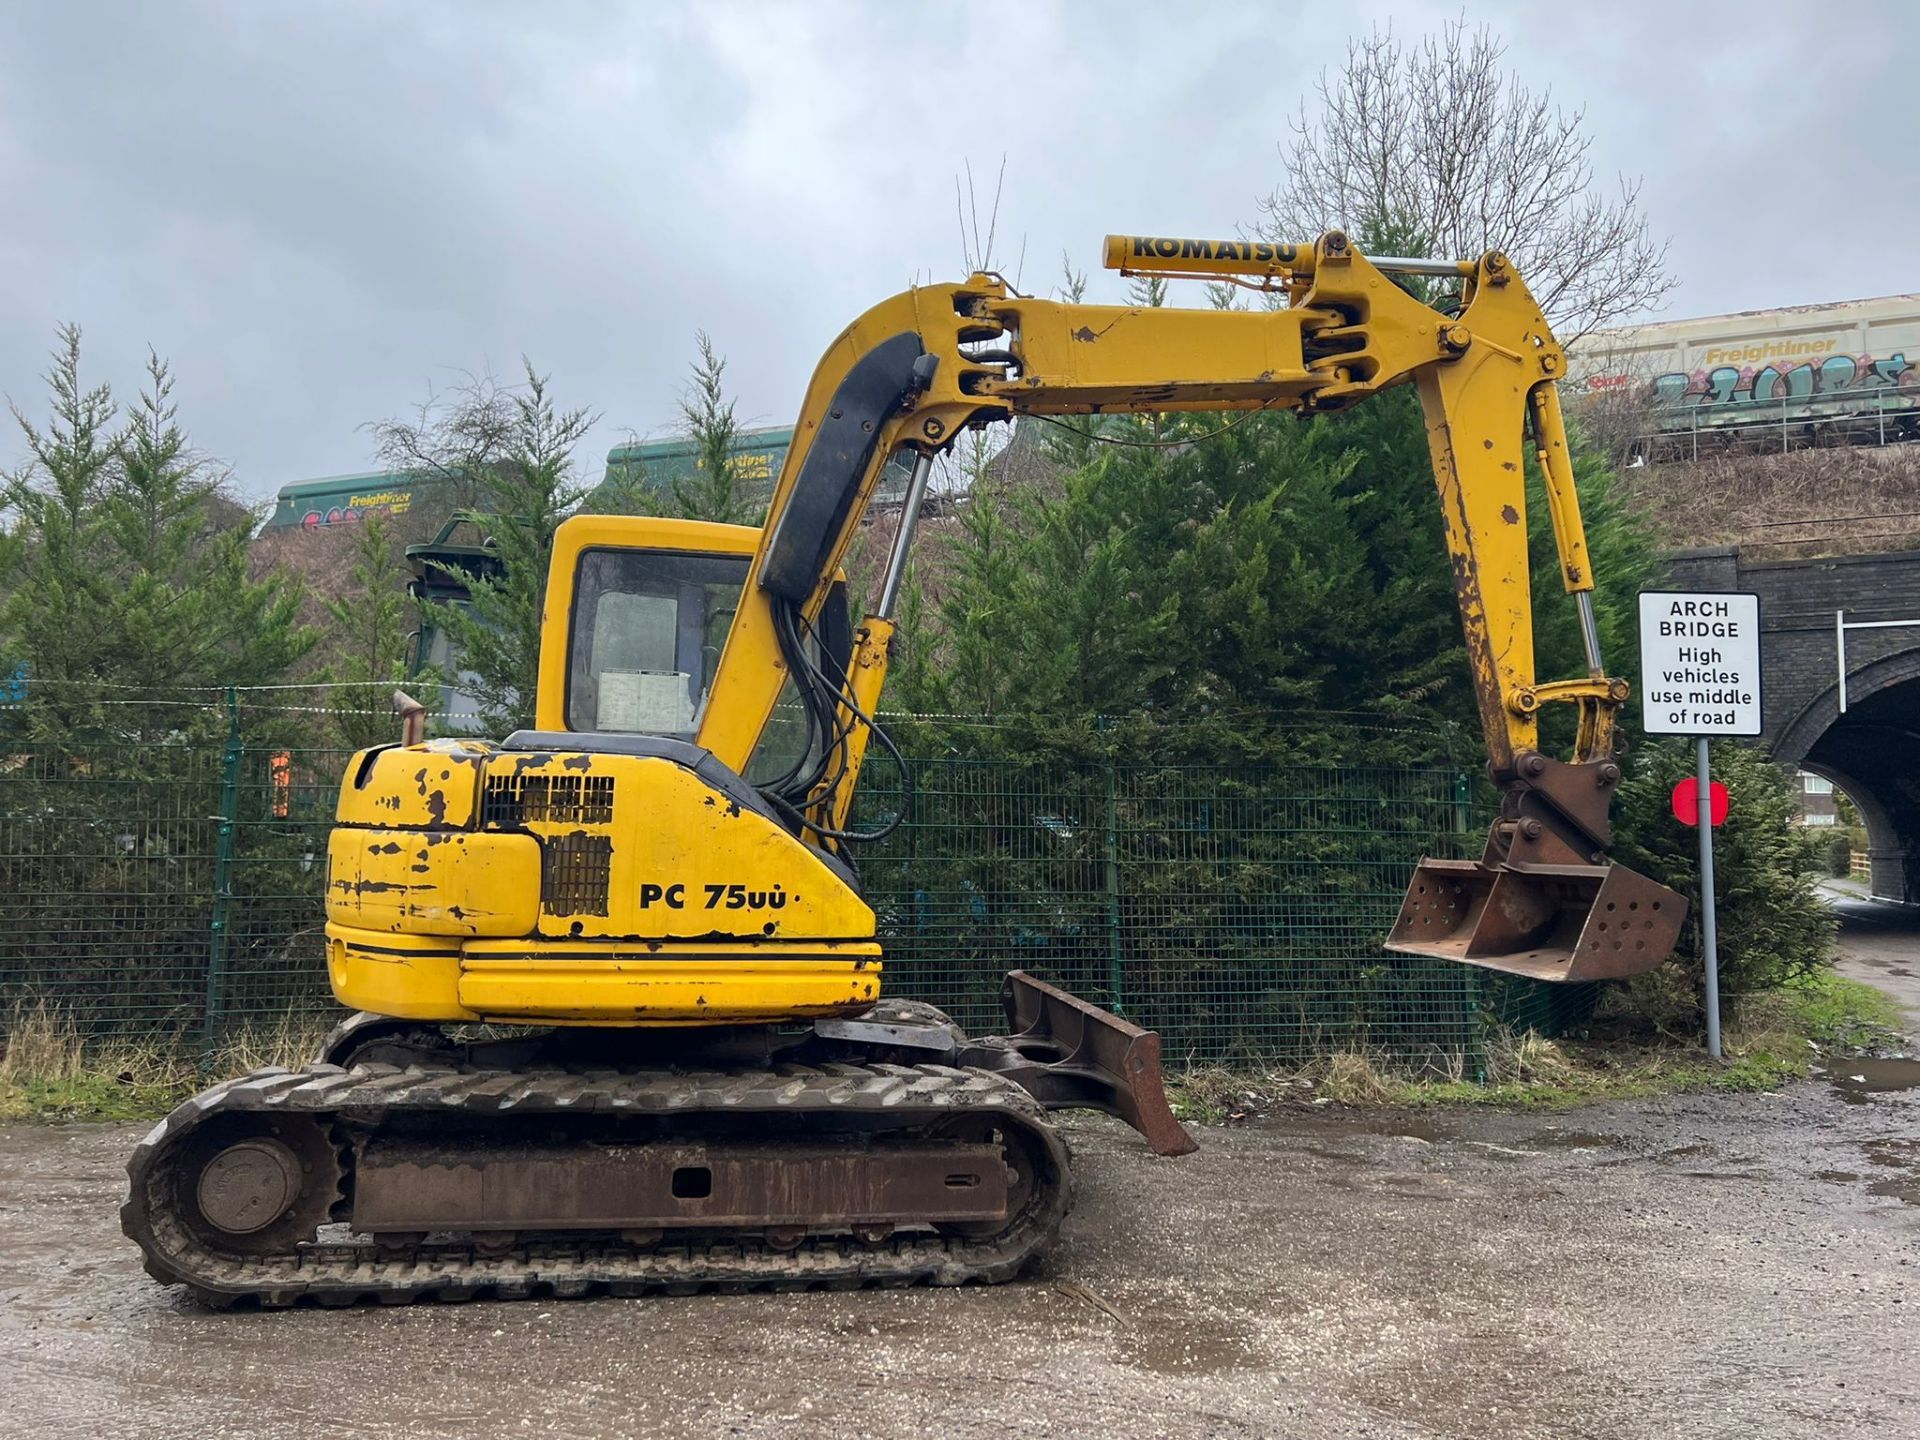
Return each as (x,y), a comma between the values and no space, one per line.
(317,211)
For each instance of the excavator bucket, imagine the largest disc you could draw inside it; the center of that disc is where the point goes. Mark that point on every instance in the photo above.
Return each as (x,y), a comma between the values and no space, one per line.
(1565,923)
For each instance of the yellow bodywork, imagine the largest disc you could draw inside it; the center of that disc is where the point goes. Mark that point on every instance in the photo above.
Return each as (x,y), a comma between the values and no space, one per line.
(639,892)
(660,901)
(712,913)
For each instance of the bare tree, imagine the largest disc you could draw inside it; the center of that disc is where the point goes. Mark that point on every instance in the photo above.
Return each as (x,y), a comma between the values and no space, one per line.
(978,254)
(1433,148)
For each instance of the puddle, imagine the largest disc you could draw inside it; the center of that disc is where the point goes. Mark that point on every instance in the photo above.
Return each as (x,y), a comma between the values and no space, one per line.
(1189,1347)
(1337,1125)
(1854,1080)
(1898,1154)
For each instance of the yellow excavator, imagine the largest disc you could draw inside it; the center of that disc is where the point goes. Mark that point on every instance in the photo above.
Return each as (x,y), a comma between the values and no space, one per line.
(620,1024)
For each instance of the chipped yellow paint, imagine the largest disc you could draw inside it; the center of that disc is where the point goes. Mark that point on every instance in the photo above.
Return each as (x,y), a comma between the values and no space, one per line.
(674,986)
(435,785)
(742,920)
(414,977)
(691,863)
(431,882)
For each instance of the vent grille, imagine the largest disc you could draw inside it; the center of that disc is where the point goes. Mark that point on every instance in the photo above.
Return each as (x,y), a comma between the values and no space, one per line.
(515,800)
(575,874)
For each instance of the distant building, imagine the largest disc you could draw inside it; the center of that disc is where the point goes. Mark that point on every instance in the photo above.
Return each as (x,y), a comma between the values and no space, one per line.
(757,457)
(1817,805)
(455,552)
(657,464)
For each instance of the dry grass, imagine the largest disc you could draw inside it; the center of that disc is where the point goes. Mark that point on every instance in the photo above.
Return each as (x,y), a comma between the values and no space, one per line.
(49,1069)
(290,1040)
(1355,1077)
(1526,1058)
(1786,506)
(1220,1094)
(44,1043)
(1770,1038)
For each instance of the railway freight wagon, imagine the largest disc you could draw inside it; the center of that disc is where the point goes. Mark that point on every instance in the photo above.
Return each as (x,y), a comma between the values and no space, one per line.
(1846,373)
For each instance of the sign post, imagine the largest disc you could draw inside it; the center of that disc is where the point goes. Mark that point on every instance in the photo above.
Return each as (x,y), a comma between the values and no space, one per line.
(1700,676)
(1709,937)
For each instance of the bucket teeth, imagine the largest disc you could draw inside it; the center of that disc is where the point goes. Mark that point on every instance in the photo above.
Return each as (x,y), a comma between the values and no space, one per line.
(1563,923)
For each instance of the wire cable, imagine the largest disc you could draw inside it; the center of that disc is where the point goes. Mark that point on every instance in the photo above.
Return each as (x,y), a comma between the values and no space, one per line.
(827,700)
(1100,439)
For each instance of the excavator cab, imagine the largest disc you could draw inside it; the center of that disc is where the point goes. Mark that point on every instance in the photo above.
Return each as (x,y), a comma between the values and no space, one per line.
(647,626)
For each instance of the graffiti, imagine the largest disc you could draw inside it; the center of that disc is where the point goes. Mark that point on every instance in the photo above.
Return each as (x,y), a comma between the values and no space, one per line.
(359,507)
(1836,377)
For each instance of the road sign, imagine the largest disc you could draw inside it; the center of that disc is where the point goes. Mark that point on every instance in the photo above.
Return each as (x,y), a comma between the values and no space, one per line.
(1699,663)
(1686,801)
(1700,676)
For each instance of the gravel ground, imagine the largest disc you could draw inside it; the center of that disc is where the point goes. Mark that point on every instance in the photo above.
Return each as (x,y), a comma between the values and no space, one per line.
(1702,1266)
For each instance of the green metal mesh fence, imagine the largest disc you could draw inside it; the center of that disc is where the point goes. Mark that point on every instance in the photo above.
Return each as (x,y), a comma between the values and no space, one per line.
(175,888)
(1238,911)
(146,890)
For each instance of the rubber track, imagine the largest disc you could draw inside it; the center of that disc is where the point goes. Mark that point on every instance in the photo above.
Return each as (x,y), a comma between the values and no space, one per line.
(906,1096)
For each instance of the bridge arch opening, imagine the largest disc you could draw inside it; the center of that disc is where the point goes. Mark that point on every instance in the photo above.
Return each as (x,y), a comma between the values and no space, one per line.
(1866,811)
(1871,753)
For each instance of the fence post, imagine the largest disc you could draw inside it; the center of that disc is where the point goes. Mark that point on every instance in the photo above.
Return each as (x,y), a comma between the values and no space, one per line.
(1115,969)
(1476,1057)
(1472,980)
(216,994)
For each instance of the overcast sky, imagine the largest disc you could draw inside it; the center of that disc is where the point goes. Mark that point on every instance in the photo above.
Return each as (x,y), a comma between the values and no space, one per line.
(319,210)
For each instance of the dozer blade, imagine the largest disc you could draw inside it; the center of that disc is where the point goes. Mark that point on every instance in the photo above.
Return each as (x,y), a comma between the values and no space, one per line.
(1069,1054)
(1564,923)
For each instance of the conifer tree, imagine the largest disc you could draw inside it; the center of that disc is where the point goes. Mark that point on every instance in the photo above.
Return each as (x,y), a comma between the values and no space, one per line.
(52,617)
(713,491)
(372,628)
(128,569)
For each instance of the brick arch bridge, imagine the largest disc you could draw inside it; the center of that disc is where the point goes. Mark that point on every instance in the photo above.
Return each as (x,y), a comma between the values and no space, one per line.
(1872,751)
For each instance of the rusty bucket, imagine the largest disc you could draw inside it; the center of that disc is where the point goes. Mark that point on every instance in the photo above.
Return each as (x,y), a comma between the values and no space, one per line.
(1564,923)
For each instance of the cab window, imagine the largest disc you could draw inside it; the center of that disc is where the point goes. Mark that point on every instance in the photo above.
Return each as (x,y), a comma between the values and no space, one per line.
(648,629)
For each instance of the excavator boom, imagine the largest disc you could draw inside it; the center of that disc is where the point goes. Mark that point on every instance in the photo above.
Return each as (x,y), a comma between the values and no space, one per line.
(916,370)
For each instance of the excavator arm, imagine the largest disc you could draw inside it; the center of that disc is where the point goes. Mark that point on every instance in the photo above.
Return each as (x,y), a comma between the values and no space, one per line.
(918,369)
